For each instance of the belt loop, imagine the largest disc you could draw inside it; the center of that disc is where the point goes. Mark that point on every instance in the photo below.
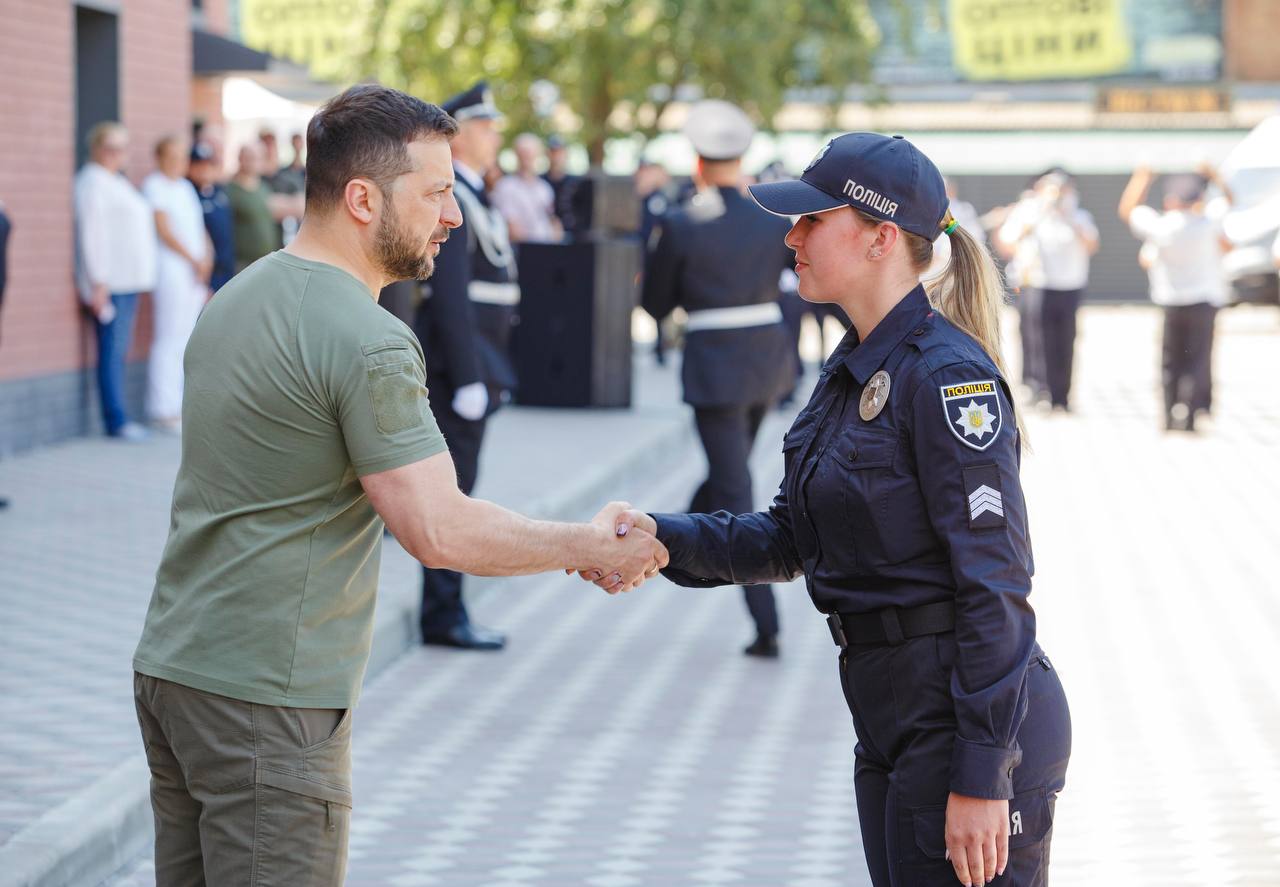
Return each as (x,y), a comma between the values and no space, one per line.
(837,631)
(892,627)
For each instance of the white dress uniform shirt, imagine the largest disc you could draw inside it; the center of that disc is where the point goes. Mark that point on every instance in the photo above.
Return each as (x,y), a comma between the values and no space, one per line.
(1184,255)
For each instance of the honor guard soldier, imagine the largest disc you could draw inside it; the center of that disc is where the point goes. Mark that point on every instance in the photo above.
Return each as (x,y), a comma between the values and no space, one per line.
(719,258)
(464,324)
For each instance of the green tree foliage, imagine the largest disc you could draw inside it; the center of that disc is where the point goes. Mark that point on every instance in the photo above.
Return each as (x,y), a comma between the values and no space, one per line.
(617,63)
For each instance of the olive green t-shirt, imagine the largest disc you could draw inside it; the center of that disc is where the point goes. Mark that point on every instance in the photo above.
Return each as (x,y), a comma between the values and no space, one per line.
(297,384)
(253,229)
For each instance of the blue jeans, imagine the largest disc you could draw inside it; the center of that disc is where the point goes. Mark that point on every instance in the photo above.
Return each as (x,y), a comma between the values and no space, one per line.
(113,348)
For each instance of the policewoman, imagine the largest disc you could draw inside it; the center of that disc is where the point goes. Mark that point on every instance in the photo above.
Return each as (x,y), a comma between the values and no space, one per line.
(901,506)
(719,258)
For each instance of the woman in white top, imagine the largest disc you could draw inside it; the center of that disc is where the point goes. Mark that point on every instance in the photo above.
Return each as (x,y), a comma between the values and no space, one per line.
(115,262)
(182,283)
(1182,252)
(1057,237)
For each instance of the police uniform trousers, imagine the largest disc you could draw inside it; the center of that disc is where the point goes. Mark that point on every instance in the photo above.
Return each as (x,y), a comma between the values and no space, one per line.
(727,434)
(1187,356)
(1058,310)
(1031,338)
(903,712)
(442,606)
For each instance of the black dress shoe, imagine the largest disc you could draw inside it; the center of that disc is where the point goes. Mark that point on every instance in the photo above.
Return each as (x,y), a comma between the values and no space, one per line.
(468,637)
(764,646)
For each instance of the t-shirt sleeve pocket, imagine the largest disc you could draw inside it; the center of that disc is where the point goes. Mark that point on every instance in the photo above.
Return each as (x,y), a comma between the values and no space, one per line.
(396,389)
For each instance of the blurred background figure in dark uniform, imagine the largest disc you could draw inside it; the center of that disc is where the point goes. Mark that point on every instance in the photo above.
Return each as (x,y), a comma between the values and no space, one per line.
(794,308)
(216,206)
(1182,253)
(720,258)
(653,189)
(572,194)
(464,324)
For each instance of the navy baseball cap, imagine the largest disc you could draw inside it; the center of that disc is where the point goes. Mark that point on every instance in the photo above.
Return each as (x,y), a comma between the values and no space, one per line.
(883,176)
(201,151)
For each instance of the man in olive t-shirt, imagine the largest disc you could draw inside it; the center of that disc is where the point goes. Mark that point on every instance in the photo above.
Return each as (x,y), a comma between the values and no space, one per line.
(255,210)
(306,425)
(270,497)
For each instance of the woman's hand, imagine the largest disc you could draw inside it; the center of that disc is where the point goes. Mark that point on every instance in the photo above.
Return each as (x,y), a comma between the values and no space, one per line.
(621,518)
(977,836)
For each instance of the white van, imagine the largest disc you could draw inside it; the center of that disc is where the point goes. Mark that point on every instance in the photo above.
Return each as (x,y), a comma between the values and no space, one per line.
(1252,172)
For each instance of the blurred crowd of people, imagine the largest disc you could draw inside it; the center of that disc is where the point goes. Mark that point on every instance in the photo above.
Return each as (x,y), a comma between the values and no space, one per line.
(1047,242)
(190,227)
(181,236)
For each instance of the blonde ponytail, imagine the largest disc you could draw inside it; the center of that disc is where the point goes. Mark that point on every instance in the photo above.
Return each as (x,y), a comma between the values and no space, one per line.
(970,293)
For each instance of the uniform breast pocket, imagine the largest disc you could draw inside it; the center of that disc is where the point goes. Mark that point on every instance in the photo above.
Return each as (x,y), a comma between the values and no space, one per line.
(865,459)
(882,502)
(796,437)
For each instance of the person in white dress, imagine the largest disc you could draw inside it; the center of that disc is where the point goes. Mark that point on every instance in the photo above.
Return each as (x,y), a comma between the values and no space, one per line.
(182,281)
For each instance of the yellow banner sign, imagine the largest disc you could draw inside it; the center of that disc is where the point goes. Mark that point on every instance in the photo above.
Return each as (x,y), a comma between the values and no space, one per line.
(1039,39)
(321,34)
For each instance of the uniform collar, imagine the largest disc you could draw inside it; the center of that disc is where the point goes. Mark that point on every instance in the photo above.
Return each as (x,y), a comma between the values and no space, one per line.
(469,176)
(867,357)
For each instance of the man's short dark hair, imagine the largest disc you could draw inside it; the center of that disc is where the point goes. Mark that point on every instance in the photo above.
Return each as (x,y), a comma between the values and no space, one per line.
(364,133)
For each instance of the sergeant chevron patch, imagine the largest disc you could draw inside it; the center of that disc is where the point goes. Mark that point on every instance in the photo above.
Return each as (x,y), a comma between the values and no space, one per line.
(986,502)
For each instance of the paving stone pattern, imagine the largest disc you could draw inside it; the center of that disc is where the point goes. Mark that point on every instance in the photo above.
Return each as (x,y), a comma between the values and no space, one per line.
(625,742)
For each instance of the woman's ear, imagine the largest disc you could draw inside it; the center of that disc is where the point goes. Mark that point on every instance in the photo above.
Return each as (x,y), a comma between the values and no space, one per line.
(886,237)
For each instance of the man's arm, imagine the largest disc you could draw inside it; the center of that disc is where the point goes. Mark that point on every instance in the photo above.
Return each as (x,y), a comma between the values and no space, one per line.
(443,528)
(1135,192)
(660,293)
(286,206)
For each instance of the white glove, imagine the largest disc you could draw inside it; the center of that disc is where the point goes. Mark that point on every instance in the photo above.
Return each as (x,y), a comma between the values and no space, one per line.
(470,401)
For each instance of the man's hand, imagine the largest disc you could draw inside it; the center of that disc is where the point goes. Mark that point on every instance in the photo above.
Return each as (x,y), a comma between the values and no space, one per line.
(977,836)
(634,557)
(624,522)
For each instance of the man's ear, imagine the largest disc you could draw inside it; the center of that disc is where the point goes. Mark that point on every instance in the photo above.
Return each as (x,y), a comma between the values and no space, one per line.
(362,199)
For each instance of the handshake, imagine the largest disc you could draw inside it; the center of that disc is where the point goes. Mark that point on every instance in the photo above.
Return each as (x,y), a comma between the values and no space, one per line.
(630,554)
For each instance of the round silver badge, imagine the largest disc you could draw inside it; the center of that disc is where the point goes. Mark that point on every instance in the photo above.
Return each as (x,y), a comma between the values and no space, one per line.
(874,396)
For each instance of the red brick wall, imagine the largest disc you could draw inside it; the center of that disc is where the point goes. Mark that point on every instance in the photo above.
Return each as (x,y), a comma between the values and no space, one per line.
(155,75)
(40,321)
(41,327)
(217,17)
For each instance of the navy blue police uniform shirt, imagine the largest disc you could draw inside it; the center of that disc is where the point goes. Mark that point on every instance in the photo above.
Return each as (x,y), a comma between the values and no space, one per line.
(920,504)
(218,222)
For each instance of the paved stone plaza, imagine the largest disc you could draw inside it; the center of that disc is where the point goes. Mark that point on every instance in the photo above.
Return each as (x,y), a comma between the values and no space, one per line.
(625,742)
